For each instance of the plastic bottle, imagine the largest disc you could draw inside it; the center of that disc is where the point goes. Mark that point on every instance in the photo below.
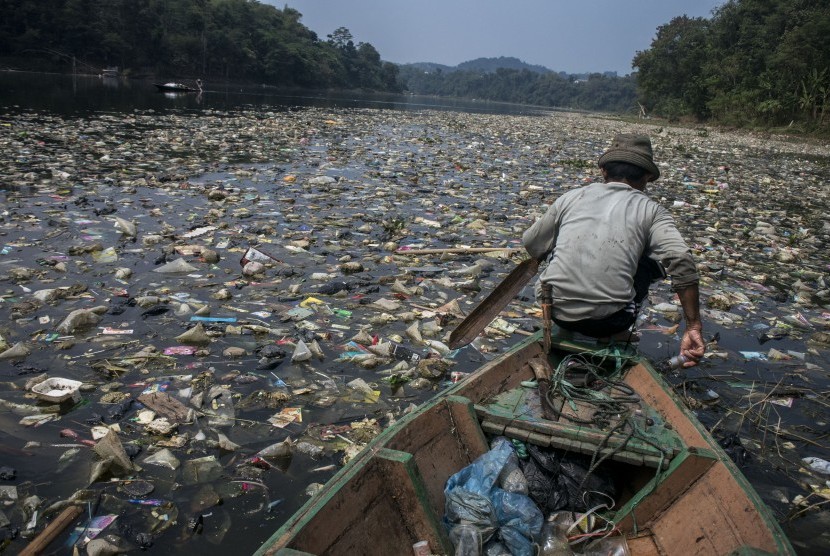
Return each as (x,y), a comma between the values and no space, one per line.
(467,540)
(554,536)
(609,546)
(676,362)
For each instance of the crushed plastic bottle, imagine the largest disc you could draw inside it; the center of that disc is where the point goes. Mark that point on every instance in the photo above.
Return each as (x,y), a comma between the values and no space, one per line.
(554,535)
(817,464)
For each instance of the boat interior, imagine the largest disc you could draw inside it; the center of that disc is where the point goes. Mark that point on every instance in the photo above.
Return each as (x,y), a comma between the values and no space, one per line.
(676,491)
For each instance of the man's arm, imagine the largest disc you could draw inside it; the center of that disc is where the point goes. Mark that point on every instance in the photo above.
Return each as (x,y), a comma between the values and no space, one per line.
(540,238)
(669,247)
(691,346)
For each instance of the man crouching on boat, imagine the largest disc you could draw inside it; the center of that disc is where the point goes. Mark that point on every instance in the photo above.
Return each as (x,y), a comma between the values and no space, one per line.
(606,242)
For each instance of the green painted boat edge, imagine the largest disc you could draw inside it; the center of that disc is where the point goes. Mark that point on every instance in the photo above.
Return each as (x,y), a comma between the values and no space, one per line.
(307,511)
(783,545)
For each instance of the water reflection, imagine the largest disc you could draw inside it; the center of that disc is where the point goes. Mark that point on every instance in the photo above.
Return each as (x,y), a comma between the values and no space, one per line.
(66,94)
(110,81)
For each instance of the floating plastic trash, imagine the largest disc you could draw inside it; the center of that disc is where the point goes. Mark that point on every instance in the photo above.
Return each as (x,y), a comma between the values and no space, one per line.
(817,464)
(179,265)
(301,352)
(383,251)
(57,390)
(17,351)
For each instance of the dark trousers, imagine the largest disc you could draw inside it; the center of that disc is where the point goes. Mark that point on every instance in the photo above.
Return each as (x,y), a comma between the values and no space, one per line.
(648,270)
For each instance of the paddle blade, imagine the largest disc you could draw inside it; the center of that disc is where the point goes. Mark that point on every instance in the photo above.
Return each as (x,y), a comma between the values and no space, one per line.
(493,304)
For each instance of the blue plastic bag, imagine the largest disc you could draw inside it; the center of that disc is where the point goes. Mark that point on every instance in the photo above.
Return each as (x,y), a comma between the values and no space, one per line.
(473,497)
(519,520)
(481,475)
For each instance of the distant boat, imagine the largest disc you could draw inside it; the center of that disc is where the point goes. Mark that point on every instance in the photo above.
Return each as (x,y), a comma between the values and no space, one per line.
(174,87)
(110,72)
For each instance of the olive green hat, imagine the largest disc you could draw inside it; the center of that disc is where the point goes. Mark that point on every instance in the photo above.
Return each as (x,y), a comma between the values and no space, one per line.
(634,149)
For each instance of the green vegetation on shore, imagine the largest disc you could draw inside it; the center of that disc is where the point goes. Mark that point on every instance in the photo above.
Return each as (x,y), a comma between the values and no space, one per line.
(758,63)
(238,40)
(754,63)
(595,92)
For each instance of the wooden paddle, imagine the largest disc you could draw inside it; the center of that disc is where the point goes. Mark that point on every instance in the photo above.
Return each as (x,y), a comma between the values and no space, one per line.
(493,304)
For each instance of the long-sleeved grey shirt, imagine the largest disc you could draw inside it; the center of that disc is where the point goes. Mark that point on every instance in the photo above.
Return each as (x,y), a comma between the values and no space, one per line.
(599,232)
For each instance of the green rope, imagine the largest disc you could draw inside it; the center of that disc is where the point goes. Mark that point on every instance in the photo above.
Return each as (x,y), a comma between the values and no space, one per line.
(596,463)
(607,406)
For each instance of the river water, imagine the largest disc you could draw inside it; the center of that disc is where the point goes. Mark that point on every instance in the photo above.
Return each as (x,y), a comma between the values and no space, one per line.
(321,181)
(81,94)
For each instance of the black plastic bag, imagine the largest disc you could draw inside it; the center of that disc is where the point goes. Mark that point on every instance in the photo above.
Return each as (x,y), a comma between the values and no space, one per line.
(733,447)
(554,478)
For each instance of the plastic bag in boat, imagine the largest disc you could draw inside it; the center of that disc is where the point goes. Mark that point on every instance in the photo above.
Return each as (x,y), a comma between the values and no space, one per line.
(473,497)
(519,519)
(555,480)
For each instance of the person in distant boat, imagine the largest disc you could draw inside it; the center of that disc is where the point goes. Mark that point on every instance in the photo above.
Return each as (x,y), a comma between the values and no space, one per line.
(606,242)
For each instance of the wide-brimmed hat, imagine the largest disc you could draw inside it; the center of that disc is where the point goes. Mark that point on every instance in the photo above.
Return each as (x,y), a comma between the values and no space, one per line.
(634,149)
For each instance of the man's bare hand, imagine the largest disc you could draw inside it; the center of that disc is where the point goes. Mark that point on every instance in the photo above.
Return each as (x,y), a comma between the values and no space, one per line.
(692,347)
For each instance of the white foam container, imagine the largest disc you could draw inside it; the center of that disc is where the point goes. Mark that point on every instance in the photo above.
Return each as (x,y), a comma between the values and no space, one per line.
(57,390)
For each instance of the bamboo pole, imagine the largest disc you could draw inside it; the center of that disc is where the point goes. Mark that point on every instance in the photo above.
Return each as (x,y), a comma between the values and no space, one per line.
(64,519)
(456,250)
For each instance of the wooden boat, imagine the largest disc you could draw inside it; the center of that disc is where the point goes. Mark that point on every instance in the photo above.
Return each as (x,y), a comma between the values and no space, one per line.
(684,496)
(175,87)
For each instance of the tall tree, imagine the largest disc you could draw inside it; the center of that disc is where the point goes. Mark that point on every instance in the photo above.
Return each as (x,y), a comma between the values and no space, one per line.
(229,39)
(670,73)
(756,62)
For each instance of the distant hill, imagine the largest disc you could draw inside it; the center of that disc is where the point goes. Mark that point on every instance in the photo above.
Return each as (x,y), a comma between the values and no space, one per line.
(490,65)
(484,65)
(511,80)
(429,67)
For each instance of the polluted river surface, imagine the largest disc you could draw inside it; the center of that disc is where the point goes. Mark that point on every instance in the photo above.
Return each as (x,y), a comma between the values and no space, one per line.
(228,294)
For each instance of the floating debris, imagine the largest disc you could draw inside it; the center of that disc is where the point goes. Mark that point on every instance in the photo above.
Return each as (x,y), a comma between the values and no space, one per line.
(259,281)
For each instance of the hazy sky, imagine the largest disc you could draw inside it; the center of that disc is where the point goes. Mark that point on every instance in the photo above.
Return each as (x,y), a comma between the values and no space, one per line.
(564,35)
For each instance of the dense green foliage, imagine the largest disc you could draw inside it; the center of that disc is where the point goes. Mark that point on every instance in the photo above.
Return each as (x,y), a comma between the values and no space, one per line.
(755,62)
(597,92)
(227,39)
